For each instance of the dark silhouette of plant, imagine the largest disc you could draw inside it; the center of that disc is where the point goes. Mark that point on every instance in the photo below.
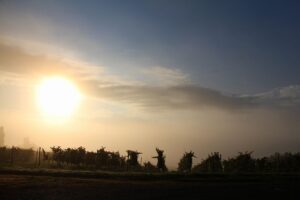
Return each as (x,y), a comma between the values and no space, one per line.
(286,162)
(132,158)
(24,155)
(149,167)
(90,158)
(4,155)
(262,164)
(102,158)
(16,155)
(45,155)
(213,163)
(161,159)
(80,155)
(68,155)
(186,162)
(58,155)
(243,162)
(115,160)
(110,160)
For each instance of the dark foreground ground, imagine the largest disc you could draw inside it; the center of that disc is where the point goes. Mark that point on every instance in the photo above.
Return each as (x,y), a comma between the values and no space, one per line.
(66,185)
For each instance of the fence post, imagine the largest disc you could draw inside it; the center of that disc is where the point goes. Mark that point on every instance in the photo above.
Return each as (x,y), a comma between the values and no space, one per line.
(12,155)
(36,157)
(39,156)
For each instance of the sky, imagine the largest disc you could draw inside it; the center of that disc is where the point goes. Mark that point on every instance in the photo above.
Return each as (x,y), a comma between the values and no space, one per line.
(180,75)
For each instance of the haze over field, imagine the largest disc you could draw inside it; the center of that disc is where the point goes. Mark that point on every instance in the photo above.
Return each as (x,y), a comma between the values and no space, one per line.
(179,75)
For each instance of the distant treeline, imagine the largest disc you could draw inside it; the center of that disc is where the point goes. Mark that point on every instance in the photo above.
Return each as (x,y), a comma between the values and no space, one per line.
(16,155)
(110,160)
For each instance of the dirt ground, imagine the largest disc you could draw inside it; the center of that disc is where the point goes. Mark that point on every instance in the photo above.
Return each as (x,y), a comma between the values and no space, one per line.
(48,187)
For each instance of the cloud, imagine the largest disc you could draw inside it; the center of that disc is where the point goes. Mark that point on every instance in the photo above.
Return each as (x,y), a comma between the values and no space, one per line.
(174,92)
(194,97)
(15,60)
(166,76)
(283,96)
(173,97)
(17,64)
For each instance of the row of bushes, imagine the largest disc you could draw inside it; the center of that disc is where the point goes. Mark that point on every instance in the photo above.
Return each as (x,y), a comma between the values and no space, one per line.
(17,155)
(108,160)
(101,159)
(244,162)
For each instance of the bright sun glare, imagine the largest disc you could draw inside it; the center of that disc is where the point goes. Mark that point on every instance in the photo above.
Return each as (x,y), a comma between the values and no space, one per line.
(57,97)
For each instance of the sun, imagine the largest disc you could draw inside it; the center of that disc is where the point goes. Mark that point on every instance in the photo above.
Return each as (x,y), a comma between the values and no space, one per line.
(57,97)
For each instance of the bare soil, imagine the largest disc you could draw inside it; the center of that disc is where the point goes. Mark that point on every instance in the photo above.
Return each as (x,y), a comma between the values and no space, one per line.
(36,186)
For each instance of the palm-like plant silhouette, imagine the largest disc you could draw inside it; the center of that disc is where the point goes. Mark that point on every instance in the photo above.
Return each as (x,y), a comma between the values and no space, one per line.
(161,160)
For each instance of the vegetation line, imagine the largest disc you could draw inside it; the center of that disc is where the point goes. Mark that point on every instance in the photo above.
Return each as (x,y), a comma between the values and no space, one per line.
(110,161)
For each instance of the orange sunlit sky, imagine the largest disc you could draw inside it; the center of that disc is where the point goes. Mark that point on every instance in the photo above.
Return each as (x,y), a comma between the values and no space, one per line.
(147,74)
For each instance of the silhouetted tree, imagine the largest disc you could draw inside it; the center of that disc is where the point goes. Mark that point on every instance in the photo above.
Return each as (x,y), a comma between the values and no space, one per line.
(213,163)
(80,155)
(4,154)
(262,164)
(161,159)
(241,163)
(68,155)
(110,160)
(57,154)
(17,155)
(90,158)
(115,160)
(186,162)
(132,158)
(286,162)
(102,158)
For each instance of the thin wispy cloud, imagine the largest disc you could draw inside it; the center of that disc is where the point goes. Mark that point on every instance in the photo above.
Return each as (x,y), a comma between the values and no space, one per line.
(17,63)
(15,60)
(283,96)
(166,76)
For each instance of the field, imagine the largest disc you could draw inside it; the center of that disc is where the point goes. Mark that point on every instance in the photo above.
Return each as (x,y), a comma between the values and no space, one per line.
(58,184)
